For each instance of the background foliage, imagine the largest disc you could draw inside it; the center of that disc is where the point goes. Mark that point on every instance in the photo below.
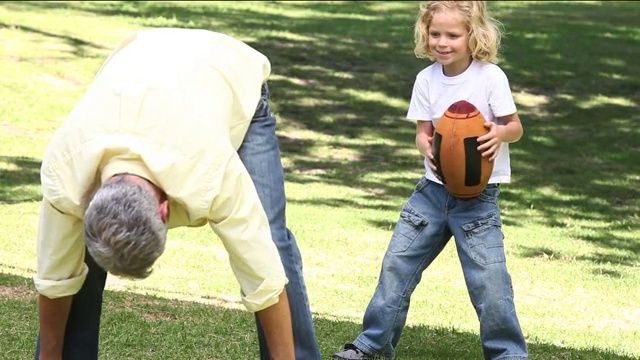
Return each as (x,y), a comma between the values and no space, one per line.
(342,78)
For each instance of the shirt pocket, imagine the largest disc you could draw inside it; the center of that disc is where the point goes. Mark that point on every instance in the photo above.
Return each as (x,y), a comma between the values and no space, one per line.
(409,226)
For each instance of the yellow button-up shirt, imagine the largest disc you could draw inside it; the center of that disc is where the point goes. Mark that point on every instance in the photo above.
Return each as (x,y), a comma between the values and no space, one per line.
(172,106)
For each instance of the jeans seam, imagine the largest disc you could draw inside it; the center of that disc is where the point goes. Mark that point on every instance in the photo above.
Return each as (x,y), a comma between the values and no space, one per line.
(404,294)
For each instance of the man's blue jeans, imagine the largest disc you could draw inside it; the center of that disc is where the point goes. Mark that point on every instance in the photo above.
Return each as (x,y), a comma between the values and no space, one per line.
(261,156)
(427,221)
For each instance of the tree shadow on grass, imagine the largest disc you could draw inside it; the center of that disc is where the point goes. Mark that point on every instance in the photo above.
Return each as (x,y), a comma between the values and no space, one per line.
(147,327)
(332,68)
(19,179)
(343,71)
(578,158)
(78,44)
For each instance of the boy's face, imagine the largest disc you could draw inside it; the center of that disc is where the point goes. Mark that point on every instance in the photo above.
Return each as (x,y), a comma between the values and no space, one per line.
(449,42)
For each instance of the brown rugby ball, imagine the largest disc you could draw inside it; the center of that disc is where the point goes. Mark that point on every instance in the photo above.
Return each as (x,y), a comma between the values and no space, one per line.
(460,166)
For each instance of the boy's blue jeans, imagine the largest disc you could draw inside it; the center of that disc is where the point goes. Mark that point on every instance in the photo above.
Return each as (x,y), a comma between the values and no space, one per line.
(261,156)
(427,221)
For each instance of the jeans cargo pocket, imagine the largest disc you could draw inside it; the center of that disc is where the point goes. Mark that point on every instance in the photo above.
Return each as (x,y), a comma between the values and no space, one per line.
(485,239)
(409,226)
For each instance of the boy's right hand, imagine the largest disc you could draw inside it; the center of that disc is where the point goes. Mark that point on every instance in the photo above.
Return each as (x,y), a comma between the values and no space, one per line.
(424,143)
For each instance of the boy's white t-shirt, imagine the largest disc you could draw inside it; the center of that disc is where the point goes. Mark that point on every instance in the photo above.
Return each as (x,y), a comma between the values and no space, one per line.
(484,85)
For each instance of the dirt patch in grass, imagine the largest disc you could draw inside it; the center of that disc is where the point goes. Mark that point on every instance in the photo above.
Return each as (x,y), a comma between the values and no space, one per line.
(17,293)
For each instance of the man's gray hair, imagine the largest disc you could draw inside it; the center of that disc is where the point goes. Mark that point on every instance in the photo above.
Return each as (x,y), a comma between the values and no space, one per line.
(123,229)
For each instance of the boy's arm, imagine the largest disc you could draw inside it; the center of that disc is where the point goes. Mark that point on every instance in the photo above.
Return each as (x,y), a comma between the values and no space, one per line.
(424,140)
(509,130)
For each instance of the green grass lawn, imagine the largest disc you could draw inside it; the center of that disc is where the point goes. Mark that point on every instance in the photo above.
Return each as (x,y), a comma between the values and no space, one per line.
(342,79)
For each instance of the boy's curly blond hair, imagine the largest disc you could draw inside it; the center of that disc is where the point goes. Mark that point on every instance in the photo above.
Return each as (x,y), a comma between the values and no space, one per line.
(485,32)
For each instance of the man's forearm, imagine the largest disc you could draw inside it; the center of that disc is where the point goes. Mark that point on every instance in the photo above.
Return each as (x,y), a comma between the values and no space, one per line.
(276,325)
(53,315)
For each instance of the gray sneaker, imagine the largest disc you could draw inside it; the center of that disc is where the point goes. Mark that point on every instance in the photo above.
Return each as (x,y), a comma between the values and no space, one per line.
(351,352)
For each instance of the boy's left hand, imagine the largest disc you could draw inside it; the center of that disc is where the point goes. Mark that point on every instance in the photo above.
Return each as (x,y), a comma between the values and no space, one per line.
(491,141)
